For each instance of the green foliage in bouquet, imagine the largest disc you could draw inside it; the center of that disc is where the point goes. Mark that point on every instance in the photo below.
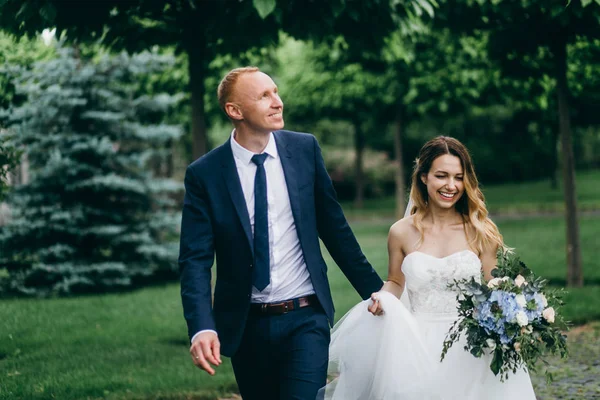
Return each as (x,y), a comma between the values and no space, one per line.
(513,317)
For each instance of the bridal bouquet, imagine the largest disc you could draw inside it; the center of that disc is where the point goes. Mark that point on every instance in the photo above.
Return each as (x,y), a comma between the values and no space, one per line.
(511,317)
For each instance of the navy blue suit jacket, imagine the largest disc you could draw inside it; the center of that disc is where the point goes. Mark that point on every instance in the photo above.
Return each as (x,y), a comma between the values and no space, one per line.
(215,221)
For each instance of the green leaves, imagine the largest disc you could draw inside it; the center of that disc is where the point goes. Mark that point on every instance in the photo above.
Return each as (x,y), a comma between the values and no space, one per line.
(264,7)
(496,361)
(585,3)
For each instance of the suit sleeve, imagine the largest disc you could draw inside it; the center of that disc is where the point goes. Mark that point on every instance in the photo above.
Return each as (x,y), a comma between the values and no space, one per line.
(196,256)
(337,236)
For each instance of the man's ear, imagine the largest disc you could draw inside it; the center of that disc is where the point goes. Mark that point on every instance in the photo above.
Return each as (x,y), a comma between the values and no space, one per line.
(233,111)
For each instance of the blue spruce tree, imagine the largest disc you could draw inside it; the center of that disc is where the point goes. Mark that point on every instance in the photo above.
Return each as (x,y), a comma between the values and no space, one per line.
(93,217)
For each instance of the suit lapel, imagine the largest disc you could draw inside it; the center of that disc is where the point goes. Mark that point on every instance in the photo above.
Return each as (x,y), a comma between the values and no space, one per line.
(232,180)
(290,170)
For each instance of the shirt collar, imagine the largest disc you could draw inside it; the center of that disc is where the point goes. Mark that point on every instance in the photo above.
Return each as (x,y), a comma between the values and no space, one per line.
(245,155)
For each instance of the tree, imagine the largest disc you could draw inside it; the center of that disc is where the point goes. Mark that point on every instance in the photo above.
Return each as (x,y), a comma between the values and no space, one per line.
(539,30)
(205,29)
(432,75)
(21,52)
(325,84)
(92,218)
(9,157)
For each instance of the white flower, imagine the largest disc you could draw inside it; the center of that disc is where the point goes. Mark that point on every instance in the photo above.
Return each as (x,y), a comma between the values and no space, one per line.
(519,280)
(493,283)
(527,329)
(522,318)
(548,314)
(517,347)
(491,343)
(521,300)
(544,300)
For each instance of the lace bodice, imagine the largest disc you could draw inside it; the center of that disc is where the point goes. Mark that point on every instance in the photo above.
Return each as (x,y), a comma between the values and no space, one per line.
(427,279)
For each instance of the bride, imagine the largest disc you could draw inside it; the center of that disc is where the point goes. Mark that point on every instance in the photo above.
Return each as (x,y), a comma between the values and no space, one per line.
(394,354)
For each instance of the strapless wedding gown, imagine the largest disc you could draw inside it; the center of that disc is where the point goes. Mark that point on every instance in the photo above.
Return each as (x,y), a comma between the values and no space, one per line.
(396,356)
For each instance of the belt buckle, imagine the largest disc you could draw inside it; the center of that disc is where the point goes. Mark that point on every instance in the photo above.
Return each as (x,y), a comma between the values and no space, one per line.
(263,308)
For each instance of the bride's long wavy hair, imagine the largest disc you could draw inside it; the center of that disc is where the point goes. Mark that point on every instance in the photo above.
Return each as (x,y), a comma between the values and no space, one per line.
(471,205)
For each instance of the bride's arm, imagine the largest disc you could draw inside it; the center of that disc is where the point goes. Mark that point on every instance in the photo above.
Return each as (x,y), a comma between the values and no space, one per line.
(395,282)
(488,261)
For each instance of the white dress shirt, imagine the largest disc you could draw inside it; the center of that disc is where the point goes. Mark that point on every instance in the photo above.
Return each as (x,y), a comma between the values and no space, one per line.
(289,276)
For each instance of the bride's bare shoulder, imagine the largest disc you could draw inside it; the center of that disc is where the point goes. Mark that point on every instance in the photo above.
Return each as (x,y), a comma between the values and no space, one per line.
(403,228)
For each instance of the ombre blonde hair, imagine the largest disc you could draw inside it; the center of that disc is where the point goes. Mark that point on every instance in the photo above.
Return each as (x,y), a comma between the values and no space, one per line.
(471,205)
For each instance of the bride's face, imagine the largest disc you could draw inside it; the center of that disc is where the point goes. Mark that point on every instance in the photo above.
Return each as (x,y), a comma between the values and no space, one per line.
(444,181)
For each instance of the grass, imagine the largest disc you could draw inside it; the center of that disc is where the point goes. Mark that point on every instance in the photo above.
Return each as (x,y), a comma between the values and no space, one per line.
(514,198)
(134,345)
(128,346)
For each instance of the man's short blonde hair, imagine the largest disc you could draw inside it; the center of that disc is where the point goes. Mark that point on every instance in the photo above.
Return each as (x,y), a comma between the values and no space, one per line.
(227,84)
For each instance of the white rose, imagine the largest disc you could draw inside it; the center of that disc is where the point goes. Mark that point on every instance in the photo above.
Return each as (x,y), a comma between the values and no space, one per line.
(519,280)
(522,318)
(491,343)
(521,300)
(548,314)
(517,347)
(544,300)
(493,283)
(504,279)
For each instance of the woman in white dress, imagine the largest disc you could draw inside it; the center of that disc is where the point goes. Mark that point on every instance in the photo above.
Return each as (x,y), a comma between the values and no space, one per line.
(394,354)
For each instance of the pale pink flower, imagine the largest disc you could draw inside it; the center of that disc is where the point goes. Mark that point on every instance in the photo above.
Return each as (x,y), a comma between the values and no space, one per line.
(548,314)
(519,280)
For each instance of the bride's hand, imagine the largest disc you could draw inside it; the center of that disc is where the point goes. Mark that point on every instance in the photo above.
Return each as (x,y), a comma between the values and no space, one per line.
(375,308)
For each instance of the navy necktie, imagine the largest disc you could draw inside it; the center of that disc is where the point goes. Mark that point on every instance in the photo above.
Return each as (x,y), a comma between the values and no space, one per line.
(260,274)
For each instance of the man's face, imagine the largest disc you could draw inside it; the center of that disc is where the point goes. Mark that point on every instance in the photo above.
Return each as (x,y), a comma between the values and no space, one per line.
(257,99)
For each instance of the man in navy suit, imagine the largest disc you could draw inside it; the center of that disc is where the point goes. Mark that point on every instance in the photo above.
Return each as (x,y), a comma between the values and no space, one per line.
(260,203)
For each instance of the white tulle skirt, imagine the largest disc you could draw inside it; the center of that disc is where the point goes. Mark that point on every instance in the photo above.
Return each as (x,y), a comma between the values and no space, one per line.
(396,356)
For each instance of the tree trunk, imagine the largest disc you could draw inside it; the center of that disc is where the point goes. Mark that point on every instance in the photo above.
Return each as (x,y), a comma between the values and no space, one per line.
(400,185)
(197,70)
(574,270)
(359,147)
(554,168)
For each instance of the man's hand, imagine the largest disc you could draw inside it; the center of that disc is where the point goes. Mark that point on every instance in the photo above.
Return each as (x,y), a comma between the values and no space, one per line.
(206,349)
(375,308)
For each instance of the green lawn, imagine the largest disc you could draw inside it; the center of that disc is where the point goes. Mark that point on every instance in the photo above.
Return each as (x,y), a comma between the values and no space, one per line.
(128,346)
(517,198)
(134,345)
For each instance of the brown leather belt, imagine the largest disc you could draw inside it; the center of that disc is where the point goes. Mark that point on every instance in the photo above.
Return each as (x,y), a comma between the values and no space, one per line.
(284,306)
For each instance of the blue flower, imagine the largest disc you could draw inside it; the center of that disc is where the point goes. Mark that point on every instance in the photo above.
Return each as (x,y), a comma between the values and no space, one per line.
(486,317)
(539,306)
(507,303)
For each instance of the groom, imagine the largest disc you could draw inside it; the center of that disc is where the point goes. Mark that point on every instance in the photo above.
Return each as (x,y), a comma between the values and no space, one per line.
(260,202)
